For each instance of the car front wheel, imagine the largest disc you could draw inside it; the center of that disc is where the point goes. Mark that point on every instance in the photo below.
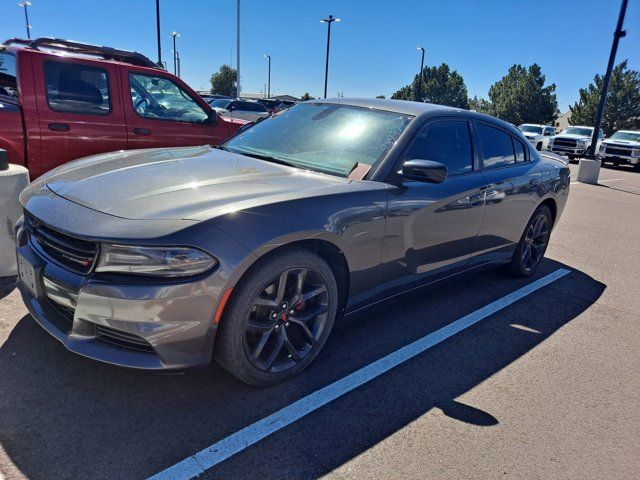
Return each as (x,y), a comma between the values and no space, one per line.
(533,243)
(279,318)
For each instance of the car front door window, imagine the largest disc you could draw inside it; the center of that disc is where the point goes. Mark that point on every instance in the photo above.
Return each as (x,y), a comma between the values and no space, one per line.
(157,97)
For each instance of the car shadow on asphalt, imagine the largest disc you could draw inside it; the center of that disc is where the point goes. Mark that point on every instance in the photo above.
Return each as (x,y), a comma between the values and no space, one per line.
(63,416)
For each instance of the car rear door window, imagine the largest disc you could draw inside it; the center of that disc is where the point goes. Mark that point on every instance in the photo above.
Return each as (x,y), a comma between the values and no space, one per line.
(76,88)
(447,142)
(519,149)
(8,74)
(496,145)
(159,98)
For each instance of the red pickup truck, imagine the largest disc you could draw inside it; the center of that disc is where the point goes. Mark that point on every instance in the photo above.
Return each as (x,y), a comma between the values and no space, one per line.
(62,100)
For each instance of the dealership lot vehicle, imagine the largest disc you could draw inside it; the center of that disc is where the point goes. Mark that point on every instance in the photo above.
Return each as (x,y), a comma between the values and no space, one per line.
(538,135)
(574,141)
(394,194)
(622,148)
(77,100)
(242,109)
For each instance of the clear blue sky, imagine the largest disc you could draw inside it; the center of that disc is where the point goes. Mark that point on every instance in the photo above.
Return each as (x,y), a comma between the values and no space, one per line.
(373,48)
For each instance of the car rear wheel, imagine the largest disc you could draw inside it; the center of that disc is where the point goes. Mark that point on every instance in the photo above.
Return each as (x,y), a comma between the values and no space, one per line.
(539,146)
(279,318)
(533,244)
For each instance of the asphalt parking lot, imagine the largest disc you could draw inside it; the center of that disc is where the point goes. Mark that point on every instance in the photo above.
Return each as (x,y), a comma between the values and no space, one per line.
(547,387)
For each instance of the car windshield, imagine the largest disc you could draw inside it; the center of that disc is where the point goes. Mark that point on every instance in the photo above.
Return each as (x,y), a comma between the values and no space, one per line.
(626,136)
(220,103)
(530,129)
(327,138)
(586,132)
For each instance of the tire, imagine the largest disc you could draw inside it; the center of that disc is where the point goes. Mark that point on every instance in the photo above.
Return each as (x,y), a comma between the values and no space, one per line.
(534,240)
(539,146)
(636,167)
(279,317)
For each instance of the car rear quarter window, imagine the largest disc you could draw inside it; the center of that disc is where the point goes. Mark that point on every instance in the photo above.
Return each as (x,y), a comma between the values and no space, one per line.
(446,142)
(76,88)
(519,149)
(496,145)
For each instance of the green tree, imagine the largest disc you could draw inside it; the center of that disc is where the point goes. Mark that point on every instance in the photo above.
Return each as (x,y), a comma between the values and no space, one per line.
(381,96)
(521,97)
(481,105)
(306,96)
(223,82)
(622,110)
(440,85)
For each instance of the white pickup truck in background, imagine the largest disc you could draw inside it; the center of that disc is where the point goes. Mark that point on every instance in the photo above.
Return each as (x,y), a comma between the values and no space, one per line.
(574,141)
(538,135)
(622,148)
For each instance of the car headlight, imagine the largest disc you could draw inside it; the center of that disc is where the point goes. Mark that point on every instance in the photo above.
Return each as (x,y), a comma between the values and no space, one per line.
(602,148)
(635,153)
(583,143)
(156,261)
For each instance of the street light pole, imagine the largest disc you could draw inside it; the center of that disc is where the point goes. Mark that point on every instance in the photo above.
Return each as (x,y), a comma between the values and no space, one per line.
(178,61)
(328,21)
(419,92)
(175,55)
(238,51)
(268,57)
(158,31)
(617,35)
(26,17)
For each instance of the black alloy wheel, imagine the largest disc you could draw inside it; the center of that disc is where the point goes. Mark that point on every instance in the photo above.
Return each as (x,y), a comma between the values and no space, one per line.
(278,318)
(533,244)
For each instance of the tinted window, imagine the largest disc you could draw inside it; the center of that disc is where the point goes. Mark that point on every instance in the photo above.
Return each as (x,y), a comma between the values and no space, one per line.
(519,148)
(497,148)
(160,98)
(444,142)
(8,80)
(548,132)
(73,88)
(220,103)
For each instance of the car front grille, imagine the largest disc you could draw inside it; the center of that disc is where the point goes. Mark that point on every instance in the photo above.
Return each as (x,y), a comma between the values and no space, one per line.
(72,253)
(122,339)
(615,150)
(565,142)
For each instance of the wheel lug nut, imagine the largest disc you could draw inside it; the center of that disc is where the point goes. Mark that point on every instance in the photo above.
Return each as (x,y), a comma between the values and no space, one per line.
(277,327)
(274,315)
(292,311)
(286,324)
(284,305)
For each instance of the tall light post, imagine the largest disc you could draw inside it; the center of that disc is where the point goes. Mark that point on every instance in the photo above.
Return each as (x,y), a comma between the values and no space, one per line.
(268,57)
(175,55)
(178,61)
(328,21)
(158,31)
(419,93)
(25,5)
(238,49)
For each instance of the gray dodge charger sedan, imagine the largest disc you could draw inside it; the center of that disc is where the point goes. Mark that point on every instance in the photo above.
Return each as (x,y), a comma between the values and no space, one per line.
(165,259)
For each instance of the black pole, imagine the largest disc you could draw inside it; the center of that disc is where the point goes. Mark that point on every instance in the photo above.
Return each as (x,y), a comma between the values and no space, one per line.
(326,68)
(158,31)
(26,19)
(269,79)
(178,62)
(617,35)
(419,94)
(175,58)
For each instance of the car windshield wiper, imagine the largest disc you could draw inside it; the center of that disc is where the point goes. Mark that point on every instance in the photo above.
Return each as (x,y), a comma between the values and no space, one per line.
(267,158)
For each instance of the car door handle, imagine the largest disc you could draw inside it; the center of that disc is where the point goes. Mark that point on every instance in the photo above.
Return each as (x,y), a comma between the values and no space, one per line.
(59,127)
(142,131)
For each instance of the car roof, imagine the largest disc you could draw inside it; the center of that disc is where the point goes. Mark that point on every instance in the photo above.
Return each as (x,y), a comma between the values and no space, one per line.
(536,125)
(416,109)
(627,131)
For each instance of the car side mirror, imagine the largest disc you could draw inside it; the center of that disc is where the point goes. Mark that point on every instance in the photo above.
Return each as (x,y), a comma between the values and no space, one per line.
(423,171)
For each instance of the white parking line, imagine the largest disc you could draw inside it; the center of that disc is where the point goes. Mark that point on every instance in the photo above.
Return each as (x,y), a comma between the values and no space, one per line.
(205,459)
(603,181)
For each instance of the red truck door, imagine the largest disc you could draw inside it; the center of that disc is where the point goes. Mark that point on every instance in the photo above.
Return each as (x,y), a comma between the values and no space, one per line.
(79,108)
(161,111)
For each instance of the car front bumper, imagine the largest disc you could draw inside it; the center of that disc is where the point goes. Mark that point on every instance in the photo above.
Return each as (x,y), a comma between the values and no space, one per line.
(619,159)
(568,150)
(149,326)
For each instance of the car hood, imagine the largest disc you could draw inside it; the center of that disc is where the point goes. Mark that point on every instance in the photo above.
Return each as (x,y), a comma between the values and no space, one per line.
(573,135)
(193,183)
(625,143)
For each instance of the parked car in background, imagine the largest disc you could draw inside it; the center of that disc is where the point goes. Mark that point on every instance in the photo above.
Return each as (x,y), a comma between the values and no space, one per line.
(242,109)
(62,100)
(622,148)
(162,259)
(213,97)
(574,141)
(538,135)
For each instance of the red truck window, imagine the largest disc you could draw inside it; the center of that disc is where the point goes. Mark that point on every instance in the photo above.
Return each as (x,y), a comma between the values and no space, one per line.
(8,80)
(158,98)
(75,88)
